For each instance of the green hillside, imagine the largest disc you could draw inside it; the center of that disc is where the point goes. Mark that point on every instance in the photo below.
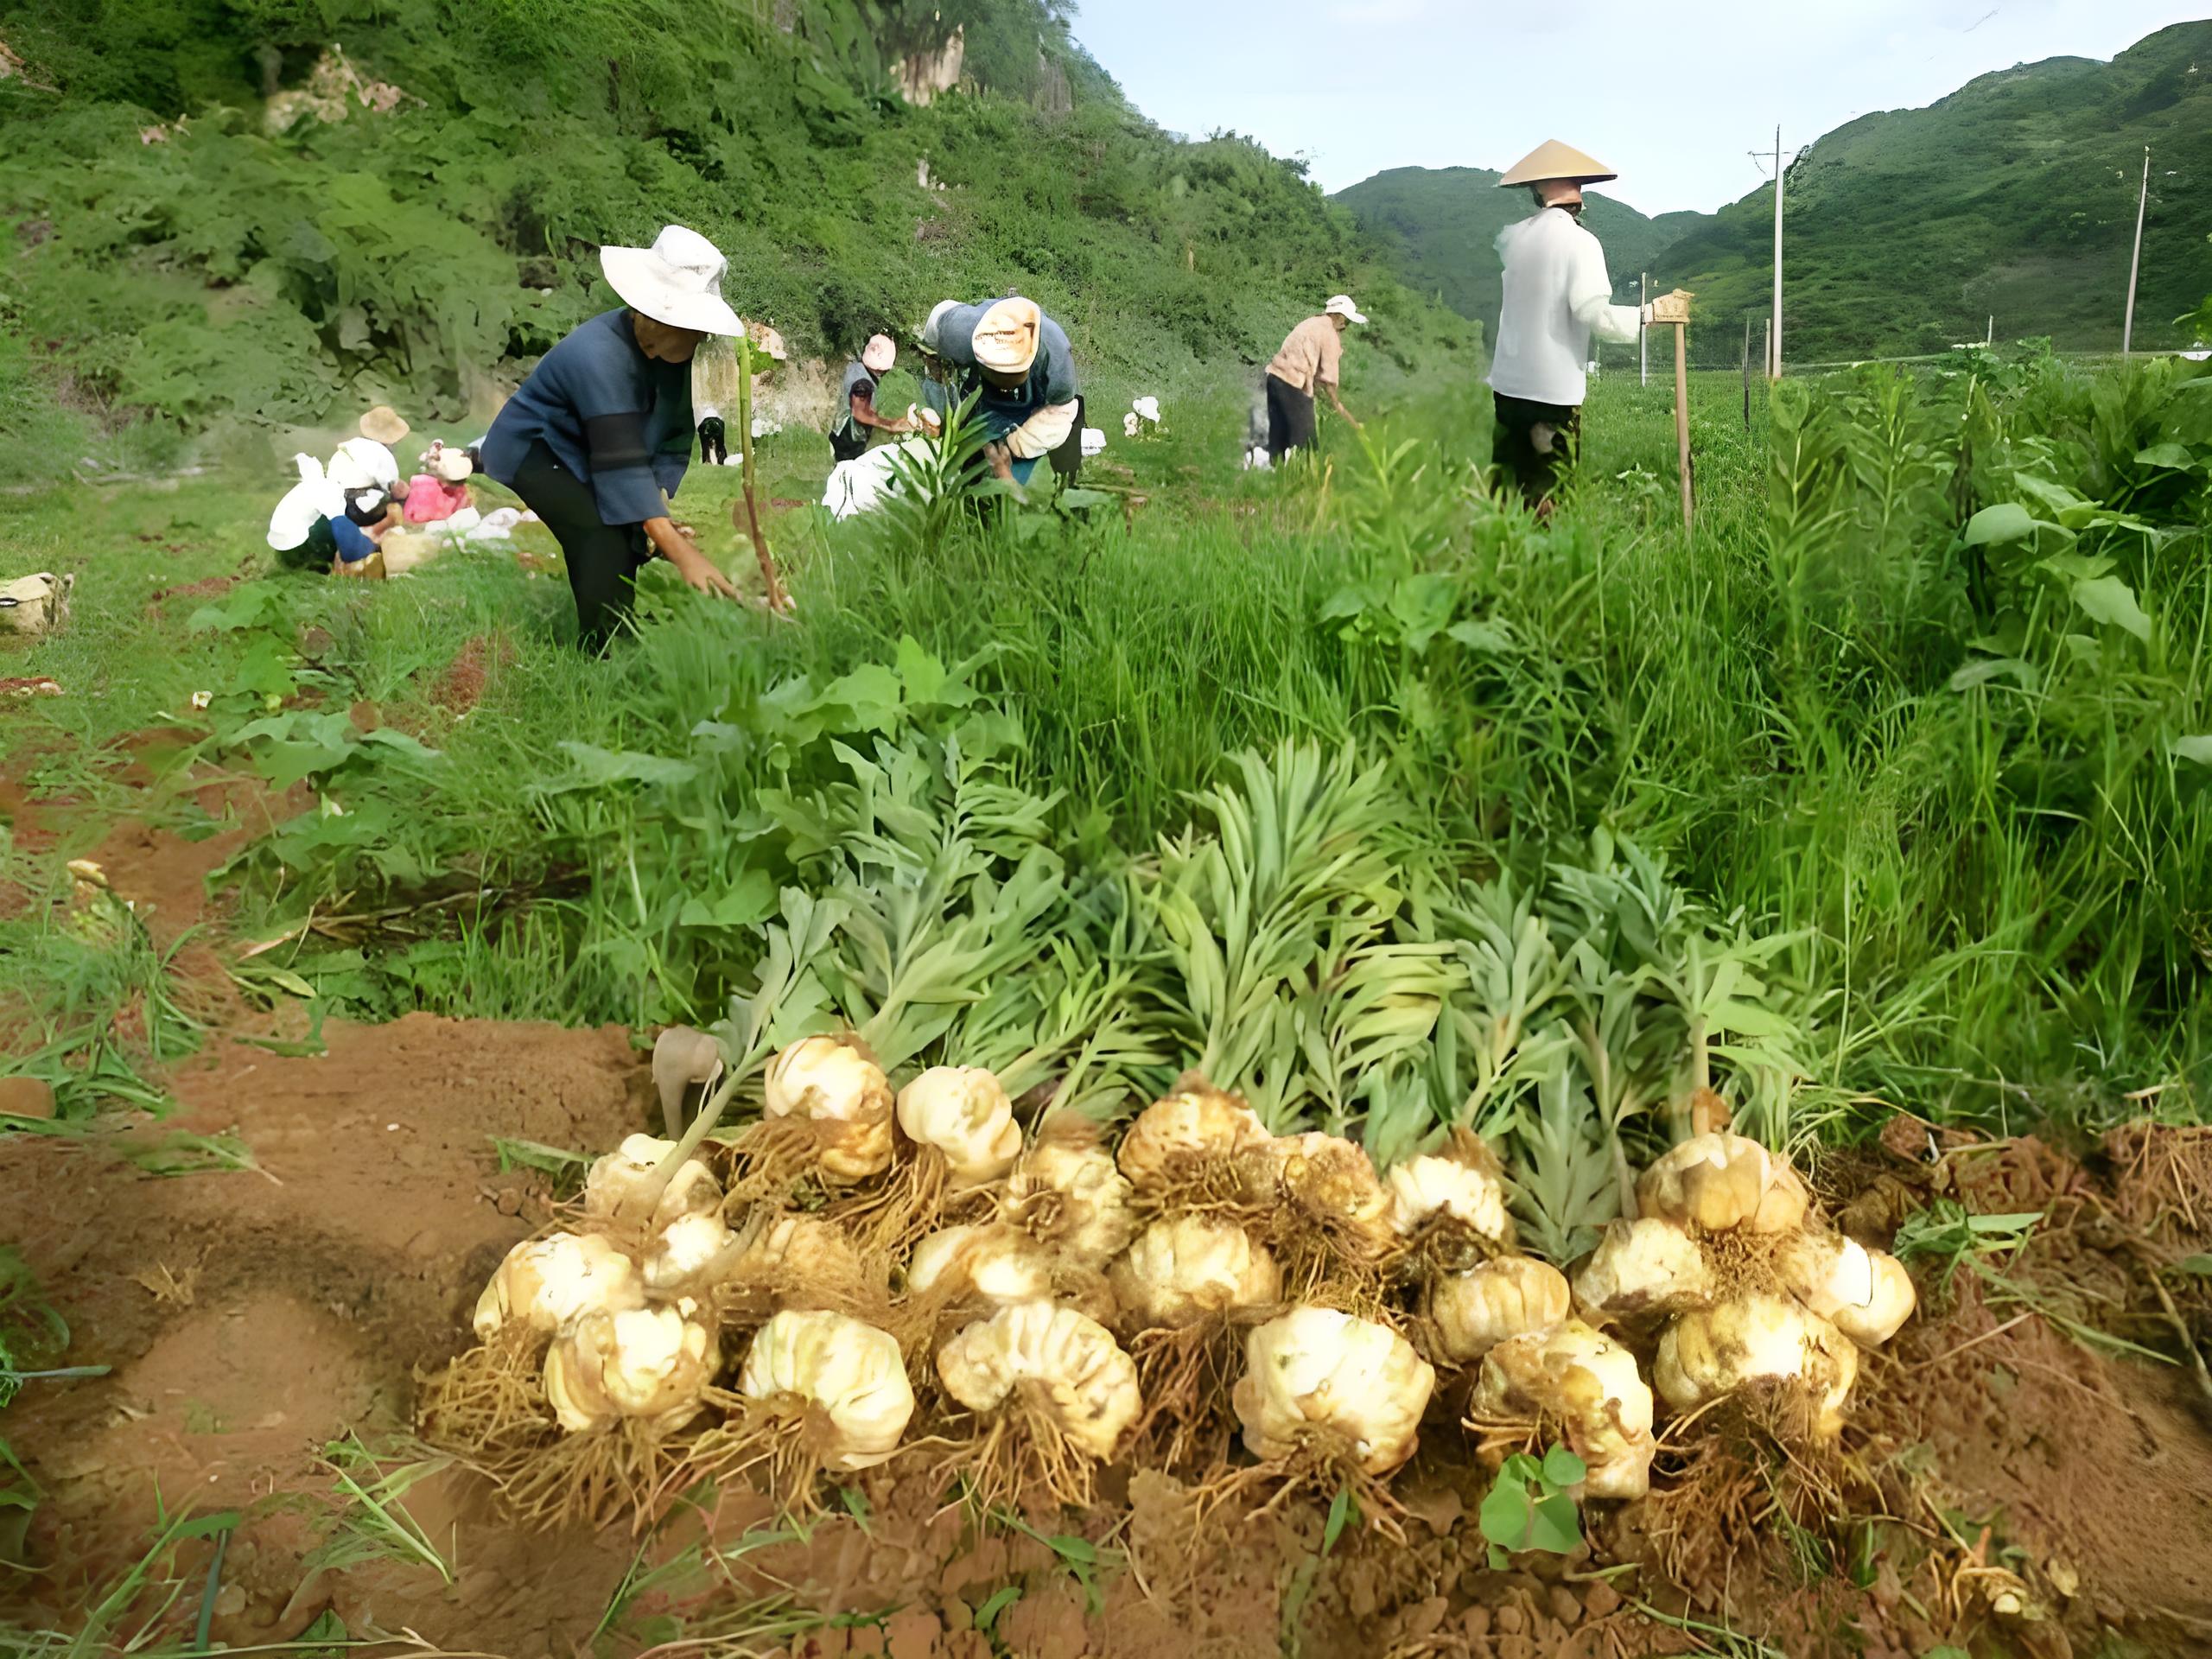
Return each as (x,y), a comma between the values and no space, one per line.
(186,259)
(1441,224)
(2014,196)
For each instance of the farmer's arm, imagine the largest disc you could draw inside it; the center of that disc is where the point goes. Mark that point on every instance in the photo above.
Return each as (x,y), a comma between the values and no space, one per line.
(690,564)
(1330,386)
(1589,297)
(864,414)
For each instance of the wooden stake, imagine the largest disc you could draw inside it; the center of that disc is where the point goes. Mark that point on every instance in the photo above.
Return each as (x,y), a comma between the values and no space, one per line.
(1682,415)
(1747,371)
(2135,259)
(778,599)
(1774,340)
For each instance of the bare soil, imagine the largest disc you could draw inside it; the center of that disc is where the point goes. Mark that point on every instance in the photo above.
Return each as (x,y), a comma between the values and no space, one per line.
(2014,1481)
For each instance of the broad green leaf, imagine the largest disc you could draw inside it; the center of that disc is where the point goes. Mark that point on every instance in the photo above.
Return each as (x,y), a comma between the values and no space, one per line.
(1076,500)
(2171,455)
(750,899)
(2022,673)
(2112,601)
(996,1603)
(595,768)
(1504,1515)
(2199,1265)
(1556,1526)
(923,675)
(2054,496)
(2007,521)
(1562,1468)
(1069,1547)
(872,695)
(1478,634)
(2198,748)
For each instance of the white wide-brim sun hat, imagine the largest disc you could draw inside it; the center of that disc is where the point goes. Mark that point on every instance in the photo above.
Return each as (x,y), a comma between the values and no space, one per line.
(1340,305)
(678,281)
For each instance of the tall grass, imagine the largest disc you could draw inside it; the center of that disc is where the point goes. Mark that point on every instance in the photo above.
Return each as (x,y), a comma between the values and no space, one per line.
(1966,793)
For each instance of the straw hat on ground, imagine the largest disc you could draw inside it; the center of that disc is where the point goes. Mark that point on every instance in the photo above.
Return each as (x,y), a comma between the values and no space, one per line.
(382,425)
(678,281)
(1552,160)
(1007,335)
(878,354)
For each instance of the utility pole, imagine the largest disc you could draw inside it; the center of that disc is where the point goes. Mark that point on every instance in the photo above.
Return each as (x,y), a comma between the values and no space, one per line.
(1643,335)
(2135,262)
(1774,367)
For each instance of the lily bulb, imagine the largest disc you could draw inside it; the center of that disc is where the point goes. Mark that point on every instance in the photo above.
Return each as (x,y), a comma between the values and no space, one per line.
(650,1364)
(545,1282)
(623,1175)
(1867,1295)
(1190,1124)
(685,1250)
(1315,1368)
(1757,1339)
(1091,1223)
(1069,1361)
(1000,1264)
(854,1372)
(844,1094)
(802,1256)
(1334,1180)
(1129,425)
(1507,1296)
(1586,1384)
(1431,1186)
(1720,1181)
(962,1112)
(1181,1269)
(1643,1269)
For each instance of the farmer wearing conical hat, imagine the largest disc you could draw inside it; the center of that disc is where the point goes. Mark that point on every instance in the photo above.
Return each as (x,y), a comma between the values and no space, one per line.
(1557,296)
(1017,362)
(600,435)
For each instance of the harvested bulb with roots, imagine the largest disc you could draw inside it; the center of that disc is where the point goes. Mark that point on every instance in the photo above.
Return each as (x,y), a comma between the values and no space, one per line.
(1070,1193)
(687,1254)
(622,1185)
(651,1364)
(1068,1363)
(963,1113)
(1431,1186)
(1334,1182)
(1721,1181)
(1506,1296)
(1643,1270)
(851,1372)
(1000,1264)
(831,1083)
(1583,1386)
(545,1282)
(1867,1295)
(1314,1369)
(1191,1125)
(1182,1269)
(1759,1342)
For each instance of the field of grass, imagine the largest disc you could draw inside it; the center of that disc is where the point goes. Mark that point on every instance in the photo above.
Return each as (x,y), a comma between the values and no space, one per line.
(1959,782)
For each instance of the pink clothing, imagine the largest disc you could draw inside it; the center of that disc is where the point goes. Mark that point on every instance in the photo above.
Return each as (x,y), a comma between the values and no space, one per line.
(430,499)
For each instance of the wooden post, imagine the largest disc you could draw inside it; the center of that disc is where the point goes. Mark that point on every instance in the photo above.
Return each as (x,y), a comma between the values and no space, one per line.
(778,599)
(1747,371)
(1682,416)
(2135,259)
(1643,331)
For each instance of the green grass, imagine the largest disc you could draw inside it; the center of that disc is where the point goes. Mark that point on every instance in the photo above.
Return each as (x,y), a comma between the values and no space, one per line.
(1964,803)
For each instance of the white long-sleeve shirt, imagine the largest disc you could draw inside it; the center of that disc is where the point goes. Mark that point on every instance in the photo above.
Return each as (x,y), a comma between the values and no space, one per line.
(1557,295)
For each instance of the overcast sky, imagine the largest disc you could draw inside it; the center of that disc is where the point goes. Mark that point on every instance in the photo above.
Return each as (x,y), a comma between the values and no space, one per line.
(1670,96)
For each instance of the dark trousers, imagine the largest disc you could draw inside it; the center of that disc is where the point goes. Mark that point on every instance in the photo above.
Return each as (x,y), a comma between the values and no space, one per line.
(714,446)
(848,443)
(1290,418)
(603,559)
(1067,460)
(1537,444)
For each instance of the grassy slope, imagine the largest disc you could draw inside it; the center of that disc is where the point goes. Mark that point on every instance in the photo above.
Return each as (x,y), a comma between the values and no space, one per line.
(223,277)
(1440,224)
(2015,195)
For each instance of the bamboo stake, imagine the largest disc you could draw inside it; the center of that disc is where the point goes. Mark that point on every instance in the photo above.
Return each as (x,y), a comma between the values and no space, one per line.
(2135,259)
(1682,415)
(778,599)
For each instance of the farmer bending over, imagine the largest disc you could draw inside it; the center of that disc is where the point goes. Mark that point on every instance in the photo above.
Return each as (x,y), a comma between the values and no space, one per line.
(1018,359)
(1310,357)
(1557,296)
(600,435)
(849,438)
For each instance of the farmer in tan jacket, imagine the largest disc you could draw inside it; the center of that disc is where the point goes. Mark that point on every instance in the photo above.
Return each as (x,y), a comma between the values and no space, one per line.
(1309,358)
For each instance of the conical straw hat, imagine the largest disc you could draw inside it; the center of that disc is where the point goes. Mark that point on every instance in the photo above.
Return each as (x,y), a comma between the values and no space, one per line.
(1552,160)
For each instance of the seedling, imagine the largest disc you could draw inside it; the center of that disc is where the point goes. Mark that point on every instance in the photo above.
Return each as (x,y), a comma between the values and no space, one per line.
(1947,1231)
(1531,1506)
